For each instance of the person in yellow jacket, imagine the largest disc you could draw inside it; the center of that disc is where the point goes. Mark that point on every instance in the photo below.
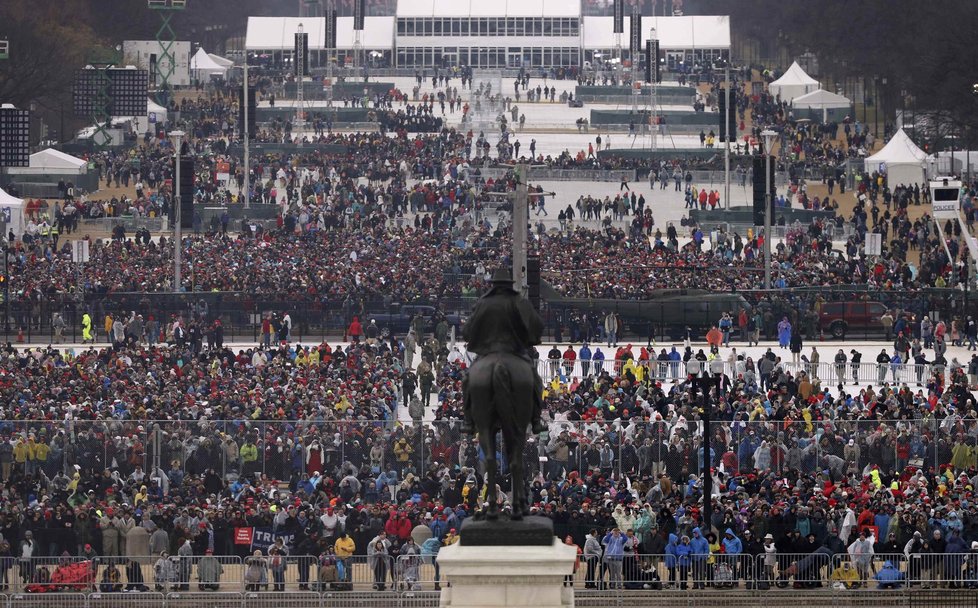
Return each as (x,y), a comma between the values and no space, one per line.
(249,457)
(874,475)
(451,538)
(41,451)
(344,549)
(87,328)
(23,452)
(844,576)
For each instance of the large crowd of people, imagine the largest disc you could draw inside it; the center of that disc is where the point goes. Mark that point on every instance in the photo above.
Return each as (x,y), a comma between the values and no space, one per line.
(311,443)
(146,459)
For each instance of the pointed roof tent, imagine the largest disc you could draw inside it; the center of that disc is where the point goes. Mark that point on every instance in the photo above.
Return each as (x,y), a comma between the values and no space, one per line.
(16,212)
(793,83)
(204,66)
(900,149)
(901,160)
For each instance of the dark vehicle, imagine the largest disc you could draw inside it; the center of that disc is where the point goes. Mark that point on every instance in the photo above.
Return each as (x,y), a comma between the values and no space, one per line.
(852,316)
(398,319)
(667,313)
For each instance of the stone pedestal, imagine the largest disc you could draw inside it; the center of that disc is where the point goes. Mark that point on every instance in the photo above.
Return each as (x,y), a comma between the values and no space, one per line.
(507,575)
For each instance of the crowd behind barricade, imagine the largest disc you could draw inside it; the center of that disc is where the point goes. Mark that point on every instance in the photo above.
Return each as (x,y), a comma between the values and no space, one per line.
(191,444)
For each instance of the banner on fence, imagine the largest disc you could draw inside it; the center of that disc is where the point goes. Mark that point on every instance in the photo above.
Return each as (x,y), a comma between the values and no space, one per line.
(243,536)
(261,538)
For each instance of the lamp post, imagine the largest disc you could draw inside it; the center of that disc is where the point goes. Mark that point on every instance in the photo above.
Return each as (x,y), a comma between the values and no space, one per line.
(768,136)
(177,138)
(701,381)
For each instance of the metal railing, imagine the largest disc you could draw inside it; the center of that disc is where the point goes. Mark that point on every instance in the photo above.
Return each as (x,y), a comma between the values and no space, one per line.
(677,371)
(130,223)
(583,598)
(686,569)
(547,174)
(157,453)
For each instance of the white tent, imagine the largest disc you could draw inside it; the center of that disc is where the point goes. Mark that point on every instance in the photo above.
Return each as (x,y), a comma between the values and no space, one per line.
(793,83)
(12,210)
(203,67)
(51,162)
(902,161)
(821,101)
(221,61)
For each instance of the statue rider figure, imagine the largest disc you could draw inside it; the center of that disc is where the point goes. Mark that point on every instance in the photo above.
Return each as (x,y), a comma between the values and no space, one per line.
(503,321)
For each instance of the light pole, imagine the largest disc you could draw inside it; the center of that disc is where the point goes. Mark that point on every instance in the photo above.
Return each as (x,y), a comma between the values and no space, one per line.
(177,138)
(768,136)
(731,129)
(244,133)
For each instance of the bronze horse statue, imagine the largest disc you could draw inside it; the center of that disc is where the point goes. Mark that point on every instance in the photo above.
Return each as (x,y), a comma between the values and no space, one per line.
(499,393)
(502,391)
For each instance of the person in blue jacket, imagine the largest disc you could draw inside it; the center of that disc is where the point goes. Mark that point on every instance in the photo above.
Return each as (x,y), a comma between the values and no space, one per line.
(671,558)
(732,548)
(598,359)
(699,549)
(584,355)
(614,553)
(683,550)
(889,577)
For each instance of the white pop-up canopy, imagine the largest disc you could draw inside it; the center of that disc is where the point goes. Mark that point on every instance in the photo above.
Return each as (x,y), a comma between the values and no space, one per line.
(901,160)
(51,162)
(12,210)
(793,83)
(203,66)
(822,101)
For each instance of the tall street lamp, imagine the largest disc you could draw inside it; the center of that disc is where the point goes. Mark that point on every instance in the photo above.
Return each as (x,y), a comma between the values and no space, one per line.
(768,136)
(177,138)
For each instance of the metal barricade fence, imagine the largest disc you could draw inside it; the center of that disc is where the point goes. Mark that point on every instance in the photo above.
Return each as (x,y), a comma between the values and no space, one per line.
(234,448)
(49,600)
(379,599)
(281,600)
(668,371)
(554,174)
(129,223)
(210,600)
(366,572)
(212,572)
(416,573)
(125,600)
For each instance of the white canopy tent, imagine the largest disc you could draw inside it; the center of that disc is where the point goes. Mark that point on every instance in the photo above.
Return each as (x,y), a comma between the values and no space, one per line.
(221,61)
(203,67)
(12,210)
(821,101)
(902,161)
(793,83)
(51,162)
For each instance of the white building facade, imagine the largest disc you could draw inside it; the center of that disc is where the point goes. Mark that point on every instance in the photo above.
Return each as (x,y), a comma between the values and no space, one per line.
(498,34)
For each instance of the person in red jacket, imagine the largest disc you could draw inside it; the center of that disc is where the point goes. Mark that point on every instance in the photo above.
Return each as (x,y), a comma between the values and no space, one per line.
(569,356)
(355,331)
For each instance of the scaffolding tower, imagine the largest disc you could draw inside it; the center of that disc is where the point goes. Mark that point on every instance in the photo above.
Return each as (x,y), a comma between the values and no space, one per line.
(166,37)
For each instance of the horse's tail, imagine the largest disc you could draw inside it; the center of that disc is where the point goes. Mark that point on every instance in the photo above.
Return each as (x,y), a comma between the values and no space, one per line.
(502,391)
